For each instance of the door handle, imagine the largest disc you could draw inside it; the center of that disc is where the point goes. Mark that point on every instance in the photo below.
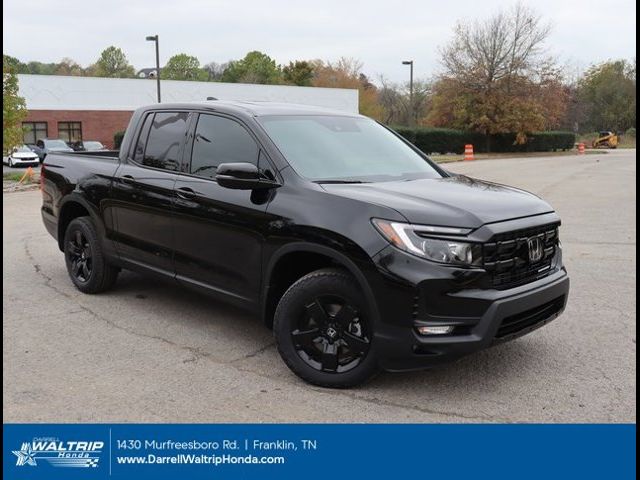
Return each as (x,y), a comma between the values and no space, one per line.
(186,193)
(128,179)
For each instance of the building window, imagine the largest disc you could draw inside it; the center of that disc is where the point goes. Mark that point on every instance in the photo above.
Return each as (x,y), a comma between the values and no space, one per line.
(34,131)
(70,131)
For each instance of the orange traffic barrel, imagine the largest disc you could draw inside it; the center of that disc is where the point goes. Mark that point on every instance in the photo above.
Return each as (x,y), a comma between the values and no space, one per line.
(468,152)
(581,149)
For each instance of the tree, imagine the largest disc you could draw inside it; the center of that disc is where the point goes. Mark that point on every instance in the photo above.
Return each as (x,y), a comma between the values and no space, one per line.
(113,63)
(215,71)
(69,67)
(15,64)
(14,109)
(183,67)
(298,73)
(255,67)
(497,77)
(391,101)
(608,94)
(39,68)
(347,73)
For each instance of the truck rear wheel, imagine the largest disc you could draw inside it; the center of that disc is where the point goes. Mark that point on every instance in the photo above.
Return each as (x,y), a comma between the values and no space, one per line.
(85,260)
(323,331)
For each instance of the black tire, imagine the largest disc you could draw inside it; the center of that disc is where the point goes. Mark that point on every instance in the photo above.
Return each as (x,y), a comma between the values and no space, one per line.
(340,328)
(86,264)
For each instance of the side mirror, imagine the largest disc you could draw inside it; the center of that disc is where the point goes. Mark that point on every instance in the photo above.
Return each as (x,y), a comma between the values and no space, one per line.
(242,176)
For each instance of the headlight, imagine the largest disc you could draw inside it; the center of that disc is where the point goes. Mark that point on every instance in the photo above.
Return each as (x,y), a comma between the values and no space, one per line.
(418,240)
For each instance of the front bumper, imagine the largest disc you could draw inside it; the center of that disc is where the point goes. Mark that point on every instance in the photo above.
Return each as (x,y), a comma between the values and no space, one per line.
(25,161)
(417,294)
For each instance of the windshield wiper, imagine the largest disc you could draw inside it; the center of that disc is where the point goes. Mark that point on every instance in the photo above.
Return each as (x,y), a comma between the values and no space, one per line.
(339,181)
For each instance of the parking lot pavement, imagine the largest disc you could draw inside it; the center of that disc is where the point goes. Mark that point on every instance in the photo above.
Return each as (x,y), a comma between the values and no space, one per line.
(150,352)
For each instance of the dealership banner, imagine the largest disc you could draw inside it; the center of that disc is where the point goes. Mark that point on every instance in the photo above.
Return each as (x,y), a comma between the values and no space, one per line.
(317,451)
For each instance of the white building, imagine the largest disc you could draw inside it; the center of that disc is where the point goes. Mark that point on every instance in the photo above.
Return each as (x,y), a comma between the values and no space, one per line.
(93,108)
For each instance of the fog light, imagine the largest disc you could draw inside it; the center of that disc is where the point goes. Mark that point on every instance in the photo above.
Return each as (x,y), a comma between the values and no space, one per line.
(437,330)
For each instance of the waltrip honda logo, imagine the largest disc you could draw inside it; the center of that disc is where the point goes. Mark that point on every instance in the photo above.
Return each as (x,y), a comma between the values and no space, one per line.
(58,453)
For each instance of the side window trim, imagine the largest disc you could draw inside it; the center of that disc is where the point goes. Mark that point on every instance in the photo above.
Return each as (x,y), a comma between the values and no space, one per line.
(139,131)
(145,128)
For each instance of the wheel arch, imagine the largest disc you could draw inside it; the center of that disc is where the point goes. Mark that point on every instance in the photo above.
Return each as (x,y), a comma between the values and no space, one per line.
(72,207)
(305,257)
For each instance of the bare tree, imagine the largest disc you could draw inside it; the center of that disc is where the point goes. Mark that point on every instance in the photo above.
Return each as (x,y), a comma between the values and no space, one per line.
(505,45)
(395,99)
(498,78)
(215,70)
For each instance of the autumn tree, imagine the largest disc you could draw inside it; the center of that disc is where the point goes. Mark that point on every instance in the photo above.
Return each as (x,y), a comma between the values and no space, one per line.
(299,73)
(69,67)
(255,67)
(347,73)
(608,94)
(113,63)
(497,77)
(14,108)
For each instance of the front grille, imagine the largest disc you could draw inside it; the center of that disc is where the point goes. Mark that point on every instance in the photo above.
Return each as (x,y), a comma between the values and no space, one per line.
(507,260)
(529,318)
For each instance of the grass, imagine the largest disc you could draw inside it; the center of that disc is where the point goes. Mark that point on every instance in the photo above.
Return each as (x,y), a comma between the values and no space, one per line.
(16,176)
(491,156)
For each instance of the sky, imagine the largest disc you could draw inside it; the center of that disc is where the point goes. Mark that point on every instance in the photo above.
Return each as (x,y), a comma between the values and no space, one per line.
(379,33)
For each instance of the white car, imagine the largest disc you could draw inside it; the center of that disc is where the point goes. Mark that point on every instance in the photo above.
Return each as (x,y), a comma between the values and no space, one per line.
(22,156)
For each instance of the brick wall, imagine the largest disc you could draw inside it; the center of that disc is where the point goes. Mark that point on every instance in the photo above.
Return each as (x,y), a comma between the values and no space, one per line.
(96,124)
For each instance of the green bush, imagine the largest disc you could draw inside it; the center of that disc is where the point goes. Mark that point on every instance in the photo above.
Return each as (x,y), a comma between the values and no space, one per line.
(631,132)
(446,140)
(117,140)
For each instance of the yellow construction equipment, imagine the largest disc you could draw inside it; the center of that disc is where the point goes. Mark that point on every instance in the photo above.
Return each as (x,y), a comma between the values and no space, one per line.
(606,139)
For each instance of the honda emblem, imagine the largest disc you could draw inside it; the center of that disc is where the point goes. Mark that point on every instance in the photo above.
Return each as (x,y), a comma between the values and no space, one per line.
(536,249)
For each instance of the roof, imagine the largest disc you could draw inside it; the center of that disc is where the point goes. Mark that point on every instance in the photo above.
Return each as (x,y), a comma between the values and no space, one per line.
(54,92)
(256,109)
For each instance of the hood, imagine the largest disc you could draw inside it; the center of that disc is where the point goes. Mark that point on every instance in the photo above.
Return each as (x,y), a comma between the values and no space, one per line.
(456,201)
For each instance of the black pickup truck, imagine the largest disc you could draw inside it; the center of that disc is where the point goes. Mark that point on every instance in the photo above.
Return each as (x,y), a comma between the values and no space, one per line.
(359,251)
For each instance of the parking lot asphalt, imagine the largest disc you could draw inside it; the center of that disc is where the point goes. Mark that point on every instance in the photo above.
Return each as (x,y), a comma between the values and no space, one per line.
(151,352)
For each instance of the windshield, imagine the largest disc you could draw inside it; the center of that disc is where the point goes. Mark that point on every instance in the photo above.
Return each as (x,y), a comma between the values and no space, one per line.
(55,144)
(335,148)
(23,149)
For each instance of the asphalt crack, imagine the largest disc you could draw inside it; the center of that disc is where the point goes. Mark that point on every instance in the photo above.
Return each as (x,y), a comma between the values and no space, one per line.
(430,411)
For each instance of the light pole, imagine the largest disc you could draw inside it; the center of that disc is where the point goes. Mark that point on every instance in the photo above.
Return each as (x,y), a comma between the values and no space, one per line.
(154,38)
(410,63)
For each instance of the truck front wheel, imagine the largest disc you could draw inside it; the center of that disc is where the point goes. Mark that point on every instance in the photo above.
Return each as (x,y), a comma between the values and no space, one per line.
(85,260)
(323,331)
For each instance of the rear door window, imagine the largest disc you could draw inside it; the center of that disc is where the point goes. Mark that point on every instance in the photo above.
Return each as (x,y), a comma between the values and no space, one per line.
(164,144)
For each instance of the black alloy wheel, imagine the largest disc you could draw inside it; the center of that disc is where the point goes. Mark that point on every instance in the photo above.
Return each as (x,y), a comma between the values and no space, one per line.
(80,257)
(330,336)
(86,262)
(324,331)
